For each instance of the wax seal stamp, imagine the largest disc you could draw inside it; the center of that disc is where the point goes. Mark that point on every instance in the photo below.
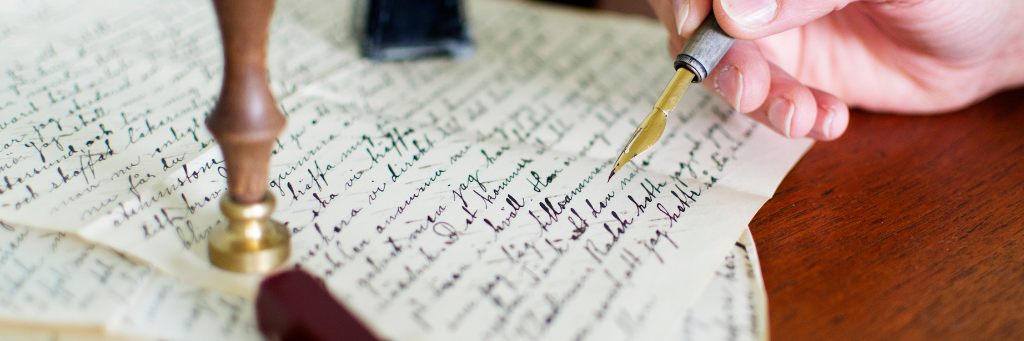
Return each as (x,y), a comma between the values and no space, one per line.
(245,123)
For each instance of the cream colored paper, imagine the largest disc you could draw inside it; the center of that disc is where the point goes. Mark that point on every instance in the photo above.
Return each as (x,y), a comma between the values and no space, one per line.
(168,309)
(731,307)
(53,278)
(56,286)
(439,199)
(734,304)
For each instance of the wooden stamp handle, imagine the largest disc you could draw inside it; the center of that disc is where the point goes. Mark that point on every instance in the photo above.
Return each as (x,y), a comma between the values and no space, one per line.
(245,120)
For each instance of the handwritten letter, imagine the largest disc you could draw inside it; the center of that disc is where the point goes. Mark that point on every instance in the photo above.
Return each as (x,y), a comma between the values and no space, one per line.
(58,279)
(438,199)
(733,306)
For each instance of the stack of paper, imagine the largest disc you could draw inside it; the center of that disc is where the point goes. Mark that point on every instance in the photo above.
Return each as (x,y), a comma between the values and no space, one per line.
(438,199)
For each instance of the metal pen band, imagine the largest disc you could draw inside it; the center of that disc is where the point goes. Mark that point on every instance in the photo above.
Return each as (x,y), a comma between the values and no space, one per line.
(704,49)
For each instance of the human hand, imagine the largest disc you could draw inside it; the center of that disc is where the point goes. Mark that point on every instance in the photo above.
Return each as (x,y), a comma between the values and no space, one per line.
(799,63)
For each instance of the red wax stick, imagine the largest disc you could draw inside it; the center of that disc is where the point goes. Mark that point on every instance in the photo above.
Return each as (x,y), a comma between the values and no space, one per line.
(294,306)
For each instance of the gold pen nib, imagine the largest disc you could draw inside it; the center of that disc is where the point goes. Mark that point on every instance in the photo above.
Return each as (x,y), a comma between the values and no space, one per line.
(649,131)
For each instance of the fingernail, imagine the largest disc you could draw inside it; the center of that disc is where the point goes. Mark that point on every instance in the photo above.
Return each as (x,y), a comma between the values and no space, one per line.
(827,125)
(780,114)
(682,8)
(729,84)
(751,13)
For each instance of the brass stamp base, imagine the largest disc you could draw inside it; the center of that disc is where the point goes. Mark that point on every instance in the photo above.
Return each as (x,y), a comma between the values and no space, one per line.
(250,242)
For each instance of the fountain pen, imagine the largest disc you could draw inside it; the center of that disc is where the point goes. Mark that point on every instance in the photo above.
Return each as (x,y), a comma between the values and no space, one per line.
(700,55)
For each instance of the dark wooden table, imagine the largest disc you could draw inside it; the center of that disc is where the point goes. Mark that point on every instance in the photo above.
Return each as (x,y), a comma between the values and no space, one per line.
(905,228)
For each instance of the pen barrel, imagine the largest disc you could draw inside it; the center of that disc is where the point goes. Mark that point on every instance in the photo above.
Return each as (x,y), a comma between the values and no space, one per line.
(704,49)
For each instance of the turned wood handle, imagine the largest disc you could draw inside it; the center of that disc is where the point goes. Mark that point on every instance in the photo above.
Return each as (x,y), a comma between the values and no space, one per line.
(245,120)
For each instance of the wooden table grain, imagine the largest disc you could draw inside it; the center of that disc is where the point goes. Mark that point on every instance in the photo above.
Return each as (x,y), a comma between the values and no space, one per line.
(905,228)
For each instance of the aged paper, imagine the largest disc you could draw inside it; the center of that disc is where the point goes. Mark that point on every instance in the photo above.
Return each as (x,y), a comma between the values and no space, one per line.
(56,286)
(439,199)
(169,309)
(731,307)
(48,276)
(734,305)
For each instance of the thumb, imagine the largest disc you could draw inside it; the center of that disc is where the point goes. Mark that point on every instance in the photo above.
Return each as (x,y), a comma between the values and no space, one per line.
(753,19)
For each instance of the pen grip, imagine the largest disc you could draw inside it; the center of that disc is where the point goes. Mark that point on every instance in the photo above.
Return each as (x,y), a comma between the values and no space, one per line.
(704,49)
